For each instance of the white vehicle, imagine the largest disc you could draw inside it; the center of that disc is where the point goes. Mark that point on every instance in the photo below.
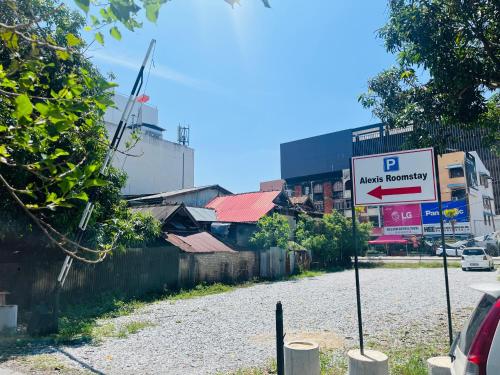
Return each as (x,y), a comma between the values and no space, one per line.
(476,349)
(450,251)
(476,258)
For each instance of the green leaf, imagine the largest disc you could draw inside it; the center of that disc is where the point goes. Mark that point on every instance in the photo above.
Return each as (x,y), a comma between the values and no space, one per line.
(63,55)
(57,153)
(152,11)
(95,182)
(115,33)
(82,196)
(3,151)
(42,108)
(83,5)
(23,106)
(72,40)
(100,38)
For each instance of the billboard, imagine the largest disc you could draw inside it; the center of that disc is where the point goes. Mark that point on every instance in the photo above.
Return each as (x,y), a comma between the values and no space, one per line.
(430,218)
(402,219)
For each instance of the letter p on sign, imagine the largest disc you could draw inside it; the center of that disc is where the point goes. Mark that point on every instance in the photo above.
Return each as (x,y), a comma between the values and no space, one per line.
(391,164)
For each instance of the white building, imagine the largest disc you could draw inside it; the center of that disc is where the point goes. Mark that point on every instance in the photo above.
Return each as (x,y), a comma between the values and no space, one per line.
(158,165)
(481,202)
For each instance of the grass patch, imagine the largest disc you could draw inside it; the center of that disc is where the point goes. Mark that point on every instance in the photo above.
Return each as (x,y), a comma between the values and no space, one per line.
(269,369)
(132,327)
(202,290)
(44,362)
(306,274)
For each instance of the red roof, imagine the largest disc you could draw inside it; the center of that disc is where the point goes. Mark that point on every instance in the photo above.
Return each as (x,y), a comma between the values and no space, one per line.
(244,208)
(202,242)
(388,239)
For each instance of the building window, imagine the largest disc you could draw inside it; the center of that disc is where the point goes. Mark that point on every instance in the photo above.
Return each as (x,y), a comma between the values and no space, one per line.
(484,180)
(484,216)
(338,186)
(348,185)
(318,188)
(338,194)
(489,220)
(456,172)
(457,194)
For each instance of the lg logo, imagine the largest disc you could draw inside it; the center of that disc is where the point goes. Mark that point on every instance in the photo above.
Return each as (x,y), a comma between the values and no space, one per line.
(391,164)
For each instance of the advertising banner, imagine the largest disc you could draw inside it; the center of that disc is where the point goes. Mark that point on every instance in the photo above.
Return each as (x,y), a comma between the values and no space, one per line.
(430,218)
(402,219)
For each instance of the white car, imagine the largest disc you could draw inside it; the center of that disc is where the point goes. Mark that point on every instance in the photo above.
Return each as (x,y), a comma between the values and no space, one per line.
(476,349)
(450,251)
(476,258)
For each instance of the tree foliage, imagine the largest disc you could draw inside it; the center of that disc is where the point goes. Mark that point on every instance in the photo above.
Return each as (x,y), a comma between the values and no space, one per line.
(330,238)
(448,70)
(52,137)
(271,231)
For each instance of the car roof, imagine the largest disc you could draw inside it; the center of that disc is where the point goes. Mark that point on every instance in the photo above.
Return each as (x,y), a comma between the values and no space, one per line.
(493,289)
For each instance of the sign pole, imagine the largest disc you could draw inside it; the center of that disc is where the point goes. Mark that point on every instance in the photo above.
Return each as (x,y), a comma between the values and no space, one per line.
(356,266)
(443,244)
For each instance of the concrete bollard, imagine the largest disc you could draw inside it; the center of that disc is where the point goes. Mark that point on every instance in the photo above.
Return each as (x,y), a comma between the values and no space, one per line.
(302,358)
(439,365)
(8,318)
(372,362)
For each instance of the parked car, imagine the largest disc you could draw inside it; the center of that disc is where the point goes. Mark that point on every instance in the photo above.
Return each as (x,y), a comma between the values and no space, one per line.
(476,349)
(489,241)
(476,258)
(450,251)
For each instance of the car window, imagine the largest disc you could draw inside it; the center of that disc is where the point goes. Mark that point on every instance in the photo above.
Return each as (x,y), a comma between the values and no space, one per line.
(475,321)
(473,252)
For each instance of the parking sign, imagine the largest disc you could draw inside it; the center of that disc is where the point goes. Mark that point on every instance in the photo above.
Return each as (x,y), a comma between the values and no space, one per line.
(396,177)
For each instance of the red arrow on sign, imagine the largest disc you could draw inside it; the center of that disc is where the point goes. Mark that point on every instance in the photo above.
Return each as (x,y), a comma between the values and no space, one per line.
(378,192)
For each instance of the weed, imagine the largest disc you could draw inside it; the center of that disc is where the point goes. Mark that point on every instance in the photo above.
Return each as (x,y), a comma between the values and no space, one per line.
(132,327)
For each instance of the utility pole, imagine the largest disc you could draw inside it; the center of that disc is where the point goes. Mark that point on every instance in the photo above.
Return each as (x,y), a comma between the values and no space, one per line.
(87,212)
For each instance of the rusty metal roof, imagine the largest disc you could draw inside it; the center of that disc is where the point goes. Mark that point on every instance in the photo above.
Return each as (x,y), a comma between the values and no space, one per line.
(202,242)
(244,208)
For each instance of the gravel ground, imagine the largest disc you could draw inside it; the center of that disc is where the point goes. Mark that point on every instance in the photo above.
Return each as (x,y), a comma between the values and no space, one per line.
(234,330)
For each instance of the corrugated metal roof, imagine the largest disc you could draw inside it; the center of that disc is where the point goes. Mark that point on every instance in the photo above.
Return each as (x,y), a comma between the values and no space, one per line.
(202,242)
(244,208)
(299,200)
(202,214)
(174,193)
(161,213)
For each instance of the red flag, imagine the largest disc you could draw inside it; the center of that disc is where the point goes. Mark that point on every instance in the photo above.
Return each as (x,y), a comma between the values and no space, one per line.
(143,98)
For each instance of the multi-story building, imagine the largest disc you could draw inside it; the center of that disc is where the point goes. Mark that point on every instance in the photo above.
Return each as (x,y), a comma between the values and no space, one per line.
(319,167)
(154,164)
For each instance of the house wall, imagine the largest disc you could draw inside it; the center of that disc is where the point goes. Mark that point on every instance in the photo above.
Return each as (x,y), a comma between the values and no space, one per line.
(160,165)
(196,268)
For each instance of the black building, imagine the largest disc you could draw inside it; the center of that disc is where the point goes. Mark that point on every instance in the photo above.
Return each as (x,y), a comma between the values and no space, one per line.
(317,166)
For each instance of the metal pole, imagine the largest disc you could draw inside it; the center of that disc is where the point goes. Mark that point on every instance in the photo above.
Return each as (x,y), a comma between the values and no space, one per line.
(356,268)
(280,358)
(87,212)
(443,244)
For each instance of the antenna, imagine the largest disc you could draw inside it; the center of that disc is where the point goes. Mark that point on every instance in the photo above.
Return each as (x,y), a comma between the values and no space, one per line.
(183,135)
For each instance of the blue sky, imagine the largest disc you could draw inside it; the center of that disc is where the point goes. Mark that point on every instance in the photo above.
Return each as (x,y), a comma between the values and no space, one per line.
(249,78)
